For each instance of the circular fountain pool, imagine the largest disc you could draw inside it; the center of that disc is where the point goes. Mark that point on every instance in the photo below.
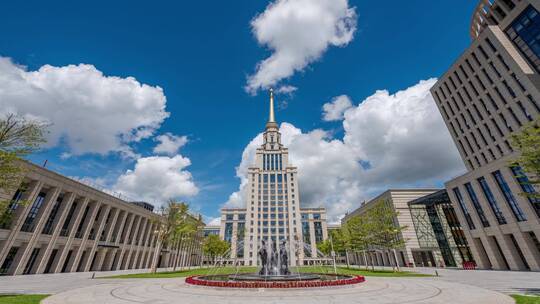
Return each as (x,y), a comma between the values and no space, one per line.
(303,280)
(274,273)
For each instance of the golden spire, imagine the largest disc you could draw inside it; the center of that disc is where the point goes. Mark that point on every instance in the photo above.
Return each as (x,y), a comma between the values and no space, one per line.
(271,118)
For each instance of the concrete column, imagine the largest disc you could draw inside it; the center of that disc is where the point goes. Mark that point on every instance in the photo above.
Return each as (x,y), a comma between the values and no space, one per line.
(511,255)
(137,240)
(529,251)
(99,259)
(312,240)
(65,206)
(117,233)
(72,231)
(142,263)
(101,225)
(125,240)
(39,221)
(86,231)
(151,246)
(19,216)
(131,245)
(110,225)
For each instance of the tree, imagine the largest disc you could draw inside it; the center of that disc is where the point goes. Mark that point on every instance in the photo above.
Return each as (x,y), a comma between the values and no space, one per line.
(18,138)
(356,233)
(173,222)
(527,142)
(186,232)
(214,247)
(385,232)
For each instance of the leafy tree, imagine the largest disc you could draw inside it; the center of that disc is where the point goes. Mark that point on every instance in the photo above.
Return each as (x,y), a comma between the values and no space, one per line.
(325,247)
(174,222)
(385,232)
(18,138)
(527,142)
(357,235)
(214,247)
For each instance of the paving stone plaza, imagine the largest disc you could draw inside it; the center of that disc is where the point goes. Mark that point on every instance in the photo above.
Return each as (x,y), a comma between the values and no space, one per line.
(452,286)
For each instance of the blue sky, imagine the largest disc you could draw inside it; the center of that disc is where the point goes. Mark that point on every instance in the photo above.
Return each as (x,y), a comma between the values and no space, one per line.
(201,53)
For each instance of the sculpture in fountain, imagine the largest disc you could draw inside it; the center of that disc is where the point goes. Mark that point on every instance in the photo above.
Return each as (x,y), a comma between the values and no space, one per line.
(263,255)
(284,259)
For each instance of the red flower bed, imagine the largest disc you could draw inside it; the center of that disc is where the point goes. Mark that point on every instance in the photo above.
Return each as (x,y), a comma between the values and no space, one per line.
(196,280)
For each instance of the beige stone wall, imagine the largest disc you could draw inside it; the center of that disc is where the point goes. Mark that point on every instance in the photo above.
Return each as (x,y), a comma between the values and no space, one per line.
(79,228)
(488,94)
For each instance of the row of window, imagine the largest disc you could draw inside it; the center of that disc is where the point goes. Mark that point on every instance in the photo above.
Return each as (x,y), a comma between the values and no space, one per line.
(463,118)
(272,162)
(493,204)
(30,220)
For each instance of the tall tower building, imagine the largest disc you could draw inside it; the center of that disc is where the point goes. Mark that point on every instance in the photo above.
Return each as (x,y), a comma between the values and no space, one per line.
(488,94)
(273,212)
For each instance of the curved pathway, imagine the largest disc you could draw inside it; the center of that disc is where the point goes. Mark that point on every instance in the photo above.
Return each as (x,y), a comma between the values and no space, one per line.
(374,290)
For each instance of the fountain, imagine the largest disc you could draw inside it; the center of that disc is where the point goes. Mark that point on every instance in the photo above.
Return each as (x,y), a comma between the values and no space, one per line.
(274,273)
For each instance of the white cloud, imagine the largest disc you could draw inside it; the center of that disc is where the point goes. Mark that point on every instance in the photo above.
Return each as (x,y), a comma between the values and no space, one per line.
(169,144)
(334,110)
(298,32)
(88,111)
(156,179)
(286,89)
(390,141)
(214,221)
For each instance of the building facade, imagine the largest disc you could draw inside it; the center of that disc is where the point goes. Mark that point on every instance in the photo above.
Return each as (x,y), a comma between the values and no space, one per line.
(273,212)
(412,254)
(488,94)
(439,232)
(67,226)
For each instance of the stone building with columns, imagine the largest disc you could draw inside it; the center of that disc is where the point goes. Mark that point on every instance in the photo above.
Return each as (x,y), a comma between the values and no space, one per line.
(273,210)
(67,226)
(410,254)
(486,96)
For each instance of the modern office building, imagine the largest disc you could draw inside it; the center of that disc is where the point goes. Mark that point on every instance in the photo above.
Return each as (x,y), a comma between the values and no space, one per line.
(488,94)
(273,212)
(439,232)
(411,253)
(67,226)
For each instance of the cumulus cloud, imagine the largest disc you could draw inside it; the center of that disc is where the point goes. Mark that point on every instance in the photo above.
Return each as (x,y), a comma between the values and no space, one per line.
(286,89)
(334,110)
(88,111)
(169,144)
(156,179)
(298,32)
(214,221)
(391,140)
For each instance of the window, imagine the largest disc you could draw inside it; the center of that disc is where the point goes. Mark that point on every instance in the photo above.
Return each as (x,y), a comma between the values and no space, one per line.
(527,187)
(9,260)
(464,208)
(525,33)
(28,225)
(316,216)
(509,196)
(241,217)
(318,232)
(47,229)
(476,204)
(228,232)
(491,200)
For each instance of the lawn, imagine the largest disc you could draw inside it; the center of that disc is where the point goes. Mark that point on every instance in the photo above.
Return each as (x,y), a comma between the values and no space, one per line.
(526,299)
(363,272)
(228,270)
(183,273)
(21,299)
